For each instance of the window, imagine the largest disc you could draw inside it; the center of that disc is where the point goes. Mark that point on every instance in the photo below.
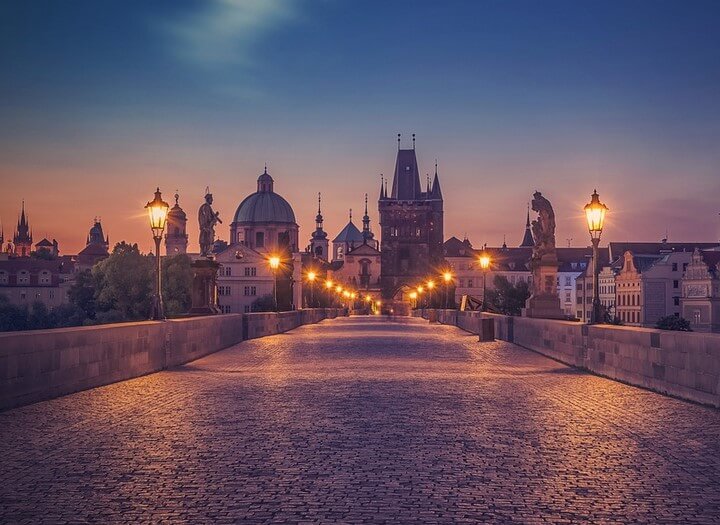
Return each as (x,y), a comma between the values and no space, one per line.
(568,280)
(227,271)
(250,271)
(52,294)
(579,300)
(676,301)
(3,277)
(259,239)
(250,291)
(246,308)
(44,277)
(23,277)
(22,295)
(685,265)
(579,314)
(470,283)
(568,297)
(674,267)
(676,284)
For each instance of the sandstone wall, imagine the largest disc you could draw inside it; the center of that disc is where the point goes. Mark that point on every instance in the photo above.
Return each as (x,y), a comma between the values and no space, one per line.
(43,364)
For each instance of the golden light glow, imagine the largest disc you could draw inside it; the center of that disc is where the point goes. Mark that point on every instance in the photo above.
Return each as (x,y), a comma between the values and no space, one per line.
(378,303)
(484,261)
(595,215)
(328,284)
(413,295)
(311,276)
(447,277)
(420,289)
(431,285)
(368,299)
(338,289)
(274,262)
(157,213)
(346,294)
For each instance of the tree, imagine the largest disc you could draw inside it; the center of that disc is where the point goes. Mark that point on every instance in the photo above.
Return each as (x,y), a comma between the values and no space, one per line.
(507,298)
(12,317)
(123,284)
(82,293)
(177,284)
(264,303)
(670,322)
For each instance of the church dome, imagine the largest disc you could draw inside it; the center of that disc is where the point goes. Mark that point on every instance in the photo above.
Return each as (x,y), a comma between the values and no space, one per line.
(265,205)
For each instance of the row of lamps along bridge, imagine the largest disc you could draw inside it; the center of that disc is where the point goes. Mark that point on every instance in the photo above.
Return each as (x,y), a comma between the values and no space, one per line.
(595,212)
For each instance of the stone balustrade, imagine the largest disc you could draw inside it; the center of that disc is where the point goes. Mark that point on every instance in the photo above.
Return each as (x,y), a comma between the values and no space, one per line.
(42,364)
(681,364)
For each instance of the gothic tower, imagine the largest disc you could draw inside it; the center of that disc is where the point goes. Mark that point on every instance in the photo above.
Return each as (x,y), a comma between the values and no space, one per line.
(176,238)
(411,222)
(527,241)
(319,244)
(22,240)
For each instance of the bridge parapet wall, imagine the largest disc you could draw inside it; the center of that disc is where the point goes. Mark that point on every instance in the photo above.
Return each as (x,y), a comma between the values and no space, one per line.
(682,364)
(43,364)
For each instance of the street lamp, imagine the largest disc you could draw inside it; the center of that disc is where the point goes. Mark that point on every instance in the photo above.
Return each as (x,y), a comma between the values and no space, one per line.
(484,265)
(413,296)
(274,262)
(157,213)
(595,214)
(430,286)
(447,277)
(311,276)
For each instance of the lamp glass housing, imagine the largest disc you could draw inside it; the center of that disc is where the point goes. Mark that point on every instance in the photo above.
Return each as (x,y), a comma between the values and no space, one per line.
(595,215)
(157,213)
(274,262)
(484,261)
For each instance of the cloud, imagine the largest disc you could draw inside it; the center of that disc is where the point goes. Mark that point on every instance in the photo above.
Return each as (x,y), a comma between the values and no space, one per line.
(223,33)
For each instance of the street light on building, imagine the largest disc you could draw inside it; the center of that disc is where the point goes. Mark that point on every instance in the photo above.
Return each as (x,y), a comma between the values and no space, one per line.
(430,285)
(595,214)
(274,262)
(414,296)
(484,265)
(157,213)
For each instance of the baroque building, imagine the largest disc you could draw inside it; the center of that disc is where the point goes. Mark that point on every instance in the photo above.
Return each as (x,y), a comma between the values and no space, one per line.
(263,226)
(176,238)
(411,226)
(700,301)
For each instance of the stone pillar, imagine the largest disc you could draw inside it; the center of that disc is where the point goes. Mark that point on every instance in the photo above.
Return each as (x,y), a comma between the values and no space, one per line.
(544,302)
(204,287)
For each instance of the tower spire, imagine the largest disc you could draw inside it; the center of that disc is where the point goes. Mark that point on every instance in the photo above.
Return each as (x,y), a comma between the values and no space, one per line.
(398,141)
(527,241)
(413,135)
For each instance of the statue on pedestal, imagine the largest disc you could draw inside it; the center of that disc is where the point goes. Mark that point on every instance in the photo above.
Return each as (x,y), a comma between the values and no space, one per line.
(544,301)
(204,289)
(207,218)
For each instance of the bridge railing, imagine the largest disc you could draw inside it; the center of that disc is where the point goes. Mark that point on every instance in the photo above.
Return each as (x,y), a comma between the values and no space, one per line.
(682,364)
(43,364)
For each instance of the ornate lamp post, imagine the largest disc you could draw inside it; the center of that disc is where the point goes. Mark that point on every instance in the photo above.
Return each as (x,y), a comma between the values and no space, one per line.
(595,214)
(484,265)
(274,262)
(447,277)
(430,286)
(157,213)
(414,296)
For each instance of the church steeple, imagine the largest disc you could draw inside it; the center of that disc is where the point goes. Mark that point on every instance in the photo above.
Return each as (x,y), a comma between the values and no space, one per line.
(318,240)
(527,241)
(22,240)
(368,236)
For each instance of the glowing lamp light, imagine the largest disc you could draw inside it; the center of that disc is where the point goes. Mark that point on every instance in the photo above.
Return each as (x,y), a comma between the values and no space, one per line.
(346,294)
(447,277)
(430,285)
(328,284)
(413,295)
(484,261)
(338,289)
(595,214)
(274,262)
(419,289)
(157,213)
(368,299)
(311,276)
(378,303)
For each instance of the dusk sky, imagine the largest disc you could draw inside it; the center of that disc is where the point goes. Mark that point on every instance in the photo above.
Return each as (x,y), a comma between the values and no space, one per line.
(102,101)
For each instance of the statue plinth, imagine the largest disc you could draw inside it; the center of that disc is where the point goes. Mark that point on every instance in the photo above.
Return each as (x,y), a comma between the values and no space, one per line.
(204,287)
(544,302)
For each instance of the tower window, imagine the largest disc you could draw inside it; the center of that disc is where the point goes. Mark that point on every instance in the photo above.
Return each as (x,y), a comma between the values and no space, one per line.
(259,239)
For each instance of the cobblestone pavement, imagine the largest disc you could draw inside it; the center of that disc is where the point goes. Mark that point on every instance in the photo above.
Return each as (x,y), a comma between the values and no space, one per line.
(363,420)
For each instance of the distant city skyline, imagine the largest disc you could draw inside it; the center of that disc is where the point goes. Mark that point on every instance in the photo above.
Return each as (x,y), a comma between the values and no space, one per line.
(101,103)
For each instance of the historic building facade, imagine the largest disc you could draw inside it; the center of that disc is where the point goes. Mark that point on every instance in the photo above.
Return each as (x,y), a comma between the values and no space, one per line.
(176,237)
(700,300)
(411,226)
(264,226)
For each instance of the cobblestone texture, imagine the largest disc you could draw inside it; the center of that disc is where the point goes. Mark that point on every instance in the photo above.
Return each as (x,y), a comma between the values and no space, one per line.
(363,420)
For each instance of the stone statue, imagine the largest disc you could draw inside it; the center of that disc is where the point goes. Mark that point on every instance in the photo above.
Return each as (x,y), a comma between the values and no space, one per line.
(544,301)
(207,219)
(543,228)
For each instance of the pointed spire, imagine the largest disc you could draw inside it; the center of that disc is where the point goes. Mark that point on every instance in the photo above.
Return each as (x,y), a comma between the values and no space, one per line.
(382,187)
(398,141)
(427,181)
(527,241)
(177,197)
(319,200)
(436,192)
(366,209)
(413,135)
(350,214)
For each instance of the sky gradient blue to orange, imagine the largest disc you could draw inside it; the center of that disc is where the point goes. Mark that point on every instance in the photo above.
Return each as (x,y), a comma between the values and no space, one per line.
(102,101)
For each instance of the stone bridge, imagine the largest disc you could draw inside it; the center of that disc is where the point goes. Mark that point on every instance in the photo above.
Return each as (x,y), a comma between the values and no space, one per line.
(362,420)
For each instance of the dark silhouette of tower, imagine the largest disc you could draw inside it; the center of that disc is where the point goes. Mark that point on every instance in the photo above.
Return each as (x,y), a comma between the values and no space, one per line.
(411,222)
(176,238)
